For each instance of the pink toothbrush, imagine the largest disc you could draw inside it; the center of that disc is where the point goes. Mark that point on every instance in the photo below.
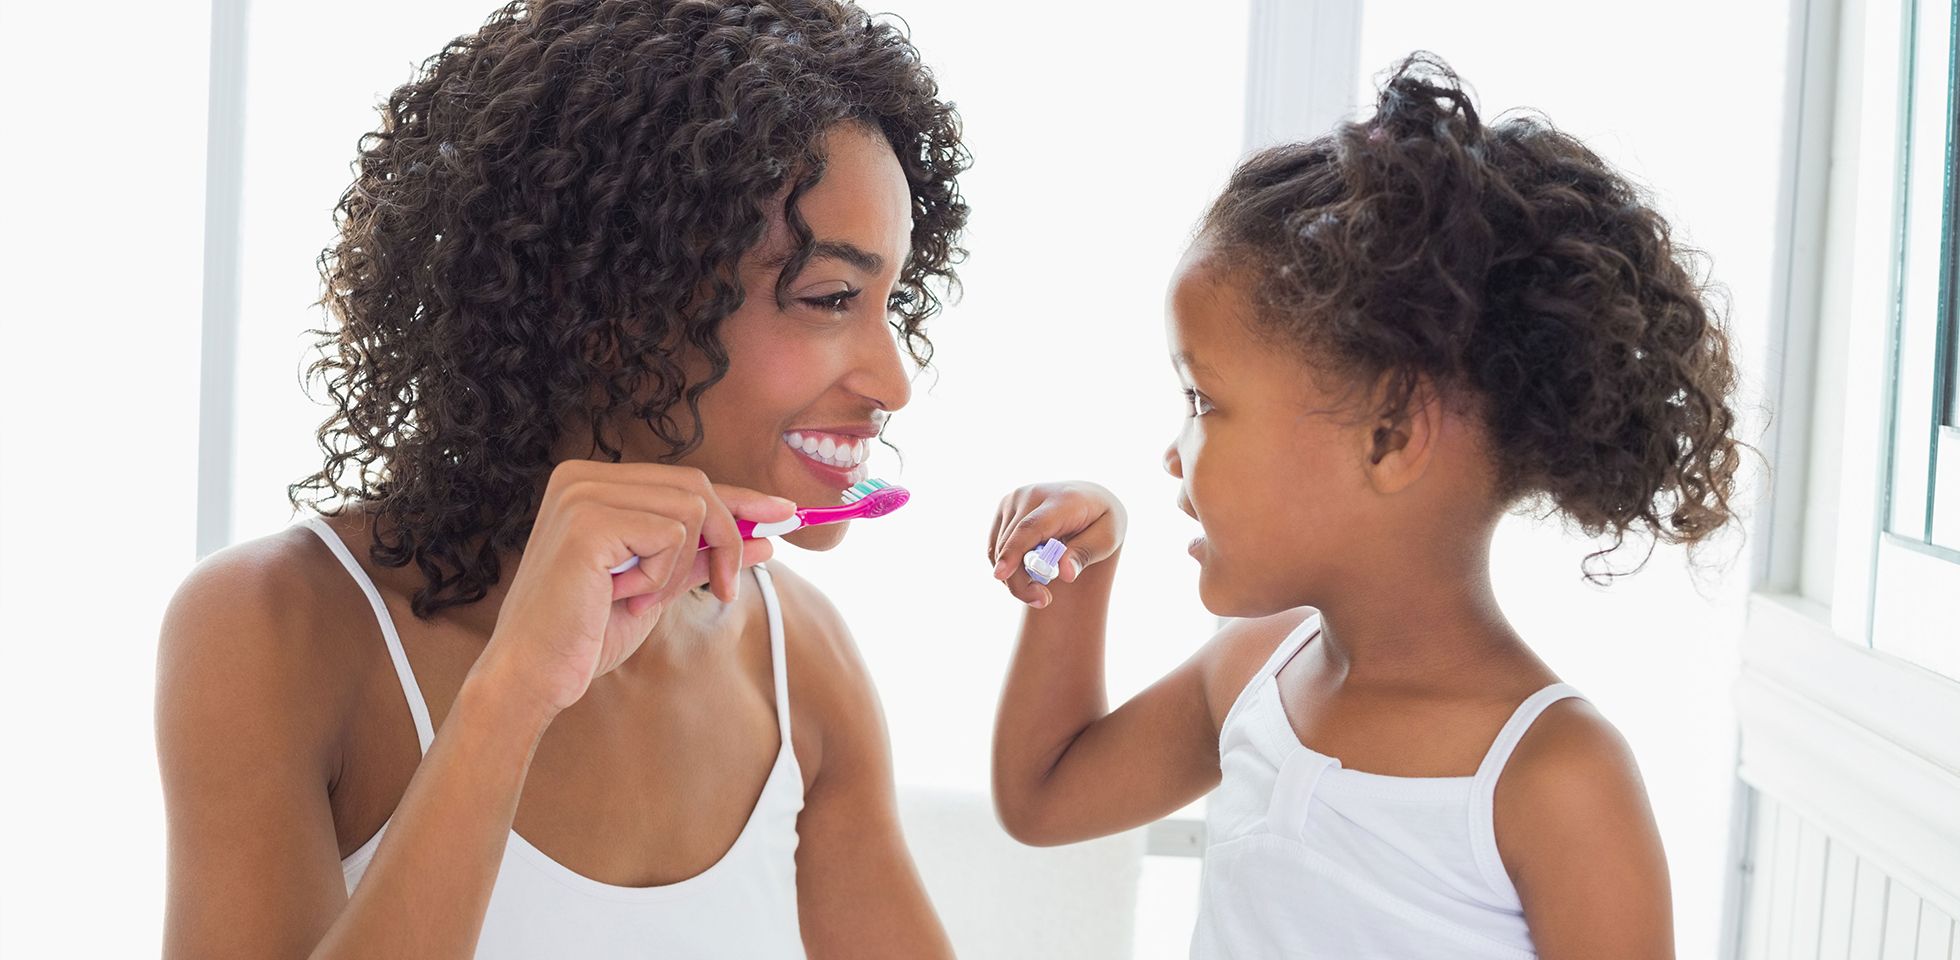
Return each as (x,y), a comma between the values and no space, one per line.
(869,498)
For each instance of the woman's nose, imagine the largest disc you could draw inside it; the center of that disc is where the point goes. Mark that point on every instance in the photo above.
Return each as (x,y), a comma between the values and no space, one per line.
(1173,465)
(880,373)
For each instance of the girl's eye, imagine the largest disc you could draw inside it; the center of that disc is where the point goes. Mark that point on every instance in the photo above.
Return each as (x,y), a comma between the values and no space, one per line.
(836,302)
(900,299)
(1195,404)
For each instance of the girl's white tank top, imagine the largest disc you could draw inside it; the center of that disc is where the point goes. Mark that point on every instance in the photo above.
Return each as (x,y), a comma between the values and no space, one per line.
(742,906)
(1305,858)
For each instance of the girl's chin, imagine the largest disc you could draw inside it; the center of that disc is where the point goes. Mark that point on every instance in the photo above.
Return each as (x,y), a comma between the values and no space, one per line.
(1225,597)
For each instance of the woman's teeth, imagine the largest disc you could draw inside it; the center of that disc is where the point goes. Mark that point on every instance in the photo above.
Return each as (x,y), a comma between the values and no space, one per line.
(841,452)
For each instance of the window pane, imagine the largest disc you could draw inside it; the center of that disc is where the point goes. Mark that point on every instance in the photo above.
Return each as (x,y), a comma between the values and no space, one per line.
(1919,402)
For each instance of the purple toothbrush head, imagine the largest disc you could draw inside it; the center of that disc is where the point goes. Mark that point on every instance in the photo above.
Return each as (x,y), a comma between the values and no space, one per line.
(1043,563)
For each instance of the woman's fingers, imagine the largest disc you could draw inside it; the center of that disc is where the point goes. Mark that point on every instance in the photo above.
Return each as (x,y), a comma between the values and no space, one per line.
(728,555)
(707,511)
(657,539)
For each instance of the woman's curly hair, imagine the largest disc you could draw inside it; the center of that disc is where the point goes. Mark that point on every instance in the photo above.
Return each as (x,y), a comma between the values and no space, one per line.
(552,211)
(1511,267)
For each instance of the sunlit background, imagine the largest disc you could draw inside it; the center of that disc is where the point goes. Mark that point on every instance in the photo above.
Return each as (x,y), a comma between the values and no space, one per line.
(1099,131)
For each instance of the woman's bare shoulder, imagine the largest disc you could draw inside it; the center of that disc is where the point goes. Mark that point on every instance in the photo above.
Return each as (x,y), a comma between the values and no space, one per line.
(253,641)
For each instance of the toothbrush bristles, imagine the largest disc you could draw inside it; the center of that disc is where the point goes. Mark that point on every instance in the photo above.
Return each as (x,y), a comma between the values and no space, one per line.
(864,488)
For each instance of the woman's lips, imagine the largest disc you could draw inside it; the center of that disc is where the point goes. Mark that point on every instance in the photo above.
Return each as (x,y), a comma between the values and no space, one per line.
(838,460)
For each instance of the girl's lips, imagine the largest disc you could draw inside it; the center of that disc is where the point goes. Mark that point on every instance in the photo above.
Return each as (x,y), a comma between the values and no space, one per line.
(1197,544)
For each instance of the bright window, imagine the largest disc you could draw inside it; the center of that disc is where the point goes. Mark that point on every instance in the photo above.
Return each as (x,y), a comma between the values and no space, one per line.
(1918,553)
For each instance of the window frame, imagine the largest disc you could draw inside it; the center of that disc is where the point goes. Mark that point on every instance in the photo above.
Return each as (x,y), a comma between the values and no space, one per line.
(1916,565)
(1843,698)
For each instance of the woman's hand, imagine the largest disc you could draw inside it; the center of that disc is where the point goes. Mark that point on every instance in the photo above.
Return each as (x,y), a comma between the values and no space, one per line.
(1086,517)
(568,619)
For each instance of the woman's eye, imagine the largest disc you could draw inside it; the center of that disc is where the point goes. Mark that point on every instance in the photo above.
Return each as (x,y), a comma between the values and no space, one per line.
(900,299)
(835,302)
(1195,404)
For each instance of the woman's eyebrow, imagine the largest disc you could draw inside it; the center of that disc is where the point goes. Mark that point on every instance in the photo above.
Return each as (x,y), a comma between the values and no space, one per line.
(850,253)
(843,250)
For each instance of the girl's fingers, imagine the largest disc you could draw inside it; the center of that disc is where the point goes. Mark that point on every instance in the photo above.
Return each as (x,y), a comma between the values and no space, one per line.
(1090,547)
(1027,591)
(1030,531)
(993,533)
(1010,509)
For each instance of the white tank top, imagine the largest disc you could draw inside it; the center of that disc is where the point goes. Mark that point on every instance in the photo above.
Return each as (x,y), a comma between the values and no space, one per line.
(742,906)
(1305,858)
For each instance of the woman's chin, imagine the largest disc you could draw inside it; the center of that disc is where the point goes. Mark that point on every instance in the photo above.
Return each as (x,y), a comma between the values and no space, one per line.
(818,538)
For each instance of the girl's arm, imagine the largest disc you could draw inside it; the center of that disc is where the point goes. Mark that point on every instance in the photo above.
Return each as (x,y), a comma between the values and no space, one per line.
(1066,767)
(1578,839)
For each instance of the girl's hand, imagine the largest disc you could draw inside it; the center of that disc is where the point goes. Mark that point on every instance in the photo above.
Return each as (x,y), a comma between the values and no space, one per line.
(1086,517)
(568,619)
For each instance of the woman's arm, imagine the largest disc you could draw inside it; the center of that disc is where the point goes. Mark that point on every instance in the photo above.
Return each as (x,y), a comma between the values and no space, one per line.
(1578,839)
(246,748)
(254,865)
(859,895)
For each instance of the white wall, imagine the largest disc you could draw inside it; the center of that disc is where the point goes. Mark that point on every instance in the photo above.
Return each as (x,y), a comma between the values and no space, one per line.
(100,264)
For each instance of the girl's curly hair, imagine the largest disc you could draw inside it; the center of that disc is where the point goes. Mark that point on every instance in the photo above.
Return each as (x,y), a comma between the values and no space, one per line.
(552,210)
(1509,266)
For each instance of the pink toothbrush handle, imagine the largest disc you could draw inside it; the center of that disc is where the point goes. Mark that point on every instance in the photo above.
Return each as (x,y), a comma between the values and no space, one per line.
(878,504)
(745,527)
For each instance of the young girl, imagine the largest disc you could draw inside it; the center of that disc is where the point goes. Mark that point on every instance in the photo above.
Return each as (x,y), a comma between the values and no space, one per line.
(1387,337)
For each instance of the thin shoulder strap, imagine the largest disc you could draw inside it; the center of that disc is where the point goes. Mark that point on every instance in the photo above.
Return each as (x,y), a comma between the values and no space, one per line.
(1292,644)
(417,708)
(1483,793)
(1299,638)
(778,665)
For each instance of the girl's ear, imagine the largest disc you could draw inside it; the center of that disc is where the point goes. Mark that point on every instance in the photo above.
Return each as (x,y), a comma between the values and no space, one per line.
(1400,447)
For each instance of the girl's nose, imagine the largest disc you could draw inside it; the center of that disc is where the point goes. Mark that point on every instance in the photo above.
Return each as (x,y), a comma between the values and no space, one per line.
(1172,464)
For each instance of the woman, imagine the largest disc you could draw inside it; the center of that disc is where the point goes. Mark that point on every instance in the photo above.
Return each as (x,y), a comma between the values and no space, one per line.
(605,266)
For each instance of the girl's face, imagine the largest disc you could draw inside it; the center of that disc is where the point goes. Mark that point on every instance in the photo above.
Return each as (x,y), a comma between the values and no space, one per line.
(810,381)
(1273,465)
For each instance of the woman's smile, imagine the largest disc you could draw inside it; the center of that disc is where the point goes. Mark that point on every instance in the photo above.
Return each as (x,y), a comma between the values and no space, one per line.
(835,455)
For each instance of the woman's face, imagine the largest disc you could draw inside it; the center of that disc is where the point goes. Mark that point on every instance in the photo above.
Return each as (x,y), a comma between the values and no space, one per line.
(810,381)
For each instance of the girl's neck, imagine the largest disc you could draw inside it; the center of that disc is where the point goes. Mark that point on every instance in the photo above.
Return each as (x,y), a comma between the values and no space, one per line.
(1406,629)
(1420,616)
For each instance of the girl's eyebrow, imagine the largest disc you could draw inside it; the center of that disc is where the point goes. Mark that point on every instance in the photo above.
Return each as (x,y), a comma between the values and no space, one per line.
(1185,359)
